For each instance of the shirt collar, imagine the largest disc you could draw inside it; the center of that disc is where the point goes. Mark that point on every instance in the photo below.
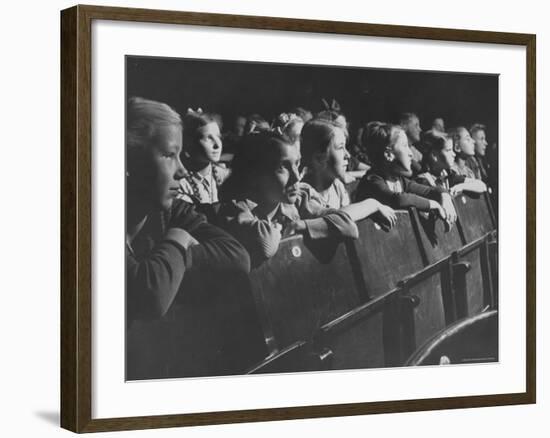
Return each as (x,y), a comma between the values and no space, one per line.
(203,179)
(283,209)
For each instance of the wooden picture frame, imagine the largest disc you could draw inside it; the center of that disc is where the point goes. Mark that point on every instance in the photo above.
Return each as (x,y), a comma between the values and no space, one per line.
(76,217)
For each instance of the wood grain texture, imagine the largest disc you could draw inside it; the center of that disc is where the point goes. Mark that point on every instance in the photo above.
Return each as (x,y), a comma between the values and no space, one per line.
(76,172)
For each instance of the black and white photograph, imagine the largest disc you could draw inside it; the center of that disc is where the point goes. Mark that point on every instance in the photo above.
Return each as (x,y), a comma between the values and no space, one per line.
(285,218)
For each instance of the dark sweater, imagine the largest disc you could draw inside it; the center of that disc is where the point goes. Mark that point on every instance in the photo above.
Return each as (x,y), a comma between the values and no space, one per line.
(445,180)
(375,185)
(155,266)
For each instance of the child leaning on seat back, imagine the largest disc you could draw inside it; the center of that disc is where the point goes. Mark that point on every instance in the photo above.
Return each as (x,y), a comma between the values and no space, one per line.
(264,200)
(389,179)
(439,158)
(326,159)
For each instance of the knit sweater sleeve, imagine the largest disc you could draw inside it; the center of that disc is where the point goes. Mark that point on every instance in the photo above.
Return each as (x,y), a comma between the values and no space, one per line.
(260,237)
(413,195)
(323,222)
(217,249)
(152,281)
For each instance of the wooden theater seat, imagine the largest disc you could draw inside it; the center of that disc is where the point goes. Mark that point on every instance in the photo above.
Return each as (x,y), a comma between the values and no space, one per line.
(427,305)
(435,240)
(386,257)
(409,301)
(477,291)
(301,288)
(474,289)
(475,214)
(366,337)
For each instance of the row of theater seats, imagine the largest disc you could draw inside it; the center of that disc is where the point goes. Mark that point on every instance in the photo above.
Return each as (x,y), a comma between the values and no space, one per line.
(322,305)
(375,301)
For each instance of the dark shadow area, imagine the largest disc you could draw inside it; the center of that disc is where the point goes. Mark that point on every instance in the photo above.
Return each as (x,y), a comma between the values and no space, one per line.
(232,88)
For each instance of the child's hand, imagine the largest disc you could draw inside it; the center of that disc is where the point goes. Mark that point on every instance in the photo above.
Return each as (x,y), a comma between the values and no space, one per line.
(388,215)
(182,237)
(297,226)
(348,178)
(434,205)
(448,206)
(456,190)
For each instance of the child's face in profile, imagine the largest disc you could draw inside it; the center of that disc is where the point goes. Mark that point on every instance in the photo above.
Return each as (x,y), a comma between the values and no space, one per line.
(160,168)
(208,146)
(480,142)
(465,143)
(439,125)
(279,182)
(447,154)
(338,155)
(402,153)
(413,129)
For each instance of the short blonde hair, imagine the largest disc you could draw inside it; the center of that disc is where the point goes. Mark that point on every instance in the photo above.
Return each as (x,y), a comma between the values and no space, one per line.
(143,117)
(317,136)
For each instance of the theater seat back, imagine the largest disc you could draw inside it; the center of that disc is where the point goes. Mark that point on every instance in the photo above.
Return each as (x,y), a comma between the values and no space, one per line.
(303,286)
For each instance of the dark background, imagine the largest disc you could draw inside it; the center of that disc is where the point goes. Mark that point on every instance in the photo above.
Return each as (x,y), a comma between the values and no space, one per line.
(231,88)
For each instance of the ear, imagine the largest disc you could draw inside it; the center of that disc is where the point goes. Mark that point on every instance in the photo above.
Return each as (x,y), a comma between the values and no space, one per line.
(434,157)
(389,155)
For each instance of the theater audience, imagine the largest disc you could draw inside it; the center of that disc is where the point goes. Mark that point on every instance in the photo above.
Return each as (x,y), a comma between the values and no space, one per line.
(196,223)
(272,193)
(166,240)
(439,157)
(389,180)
